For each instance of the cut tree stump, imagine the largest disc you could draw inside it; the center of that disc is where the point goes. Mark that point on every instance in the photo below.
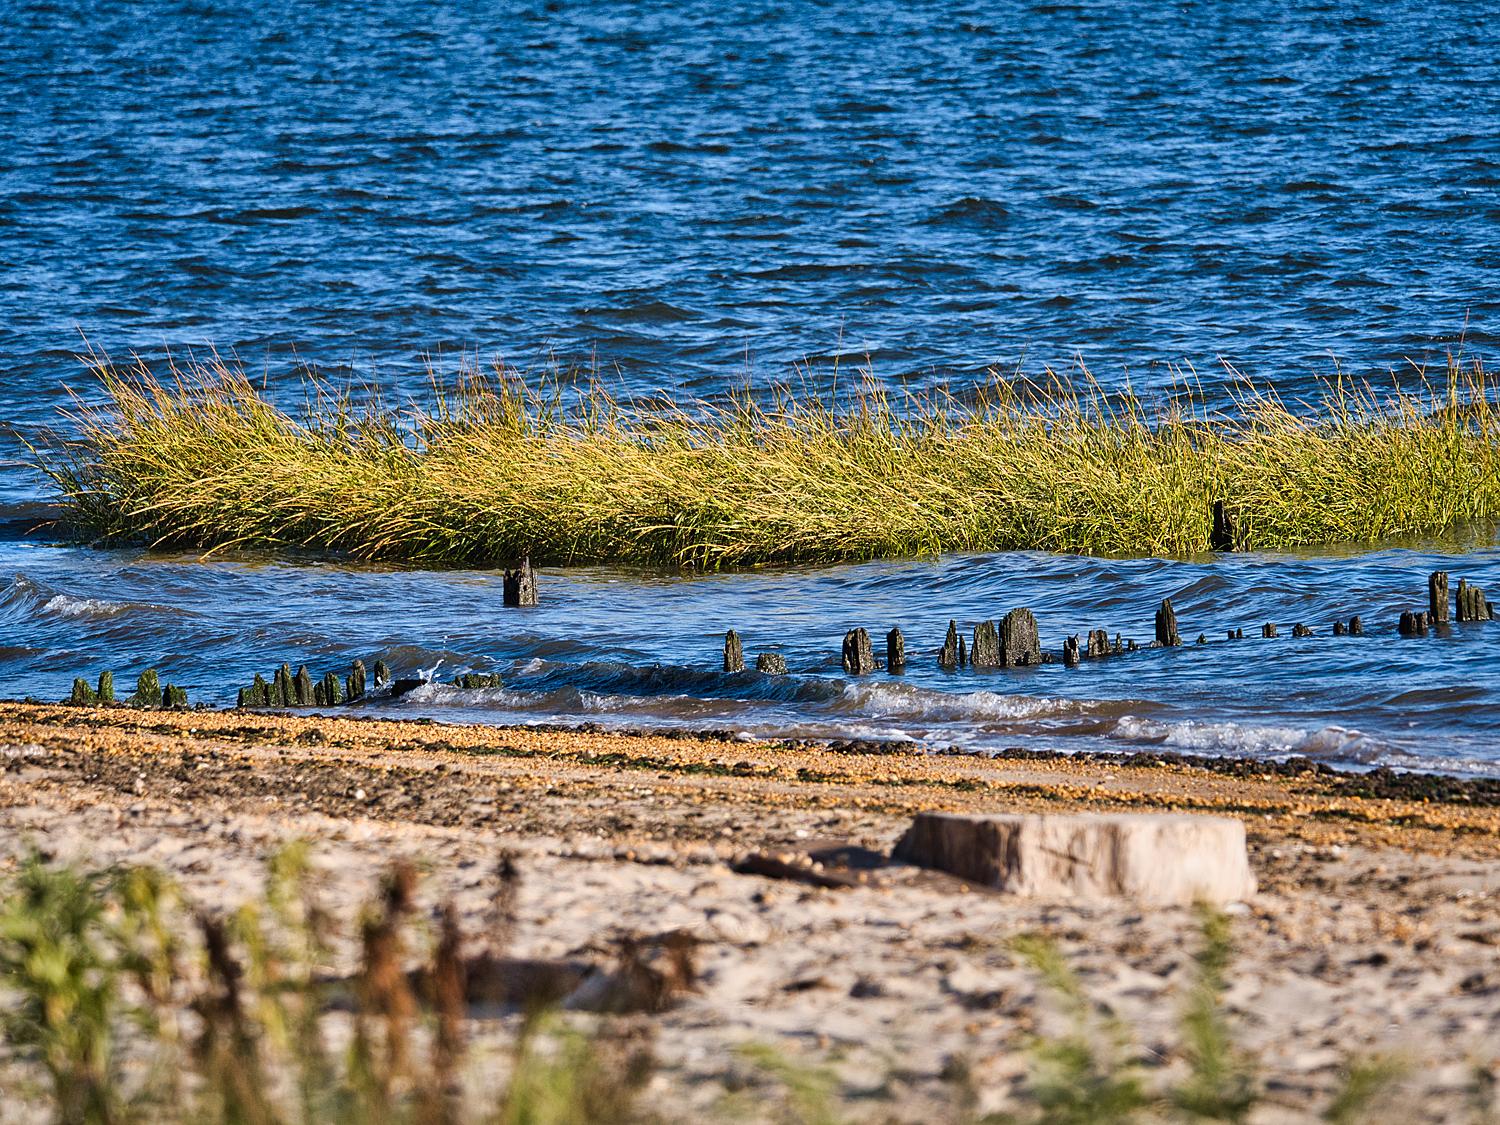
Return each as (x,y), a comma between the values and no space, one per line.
(1156,859)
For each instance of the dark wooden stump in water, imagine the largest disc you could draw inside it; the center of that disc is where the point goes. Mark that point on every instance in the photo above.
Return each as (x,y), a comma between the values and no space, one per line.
(1268,630)
(963,653)
(283,694)
(1437,598)
(382,673)
(1472,605)
(895,651)
(734,652)
(985,651)
(1356,626)
(859,657)
(1019,643)
(771,663)
(1340,629)
(1412,624)
(1098,644)
(478,681)
(948,654)
(1166,625)
(1222,536)
(1301,630)
(520,584)
(1070,652)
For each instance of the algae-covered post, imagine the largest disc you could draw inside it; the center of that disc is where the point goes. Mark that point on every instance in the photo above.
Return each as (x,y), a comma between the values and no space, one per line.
(734,652)
(106,692)
(859,656)
(895,651)
(147,690)
(83,695)
(1166,625)
(520,584)
(302,687)
(356,682)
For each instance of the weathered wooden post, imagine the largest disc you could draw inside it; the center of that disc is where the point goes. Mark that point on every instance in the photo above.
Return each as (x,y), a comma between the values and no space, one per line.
(895,651)
(1019,642)
(520,584)
(106,692)
(174,698)
(963,653)
(1098,644)
(82,695)
(1437,597)
(771,663)
(1166,625)
(734,652)
(1356,626)
(1340,629)
(985,651)
(1221,537)
(382,673)
(1268,630)
(1301,630)
(859,657)
(948,654)
(1070,652)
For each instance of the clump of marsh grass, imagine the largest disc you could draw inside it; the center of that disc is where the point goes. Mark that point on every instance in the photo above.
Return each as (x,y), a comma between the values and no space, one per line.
(495,468)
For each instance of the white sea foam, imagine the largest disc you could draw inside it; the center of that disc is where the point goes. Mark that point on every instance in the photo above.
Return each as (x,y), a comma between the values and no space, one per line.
(906,701)
(1202,737)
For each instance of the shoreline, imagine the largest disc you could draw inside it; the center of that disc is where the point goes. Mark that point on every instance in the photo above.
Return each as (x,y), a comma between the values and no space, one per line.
(1373,933)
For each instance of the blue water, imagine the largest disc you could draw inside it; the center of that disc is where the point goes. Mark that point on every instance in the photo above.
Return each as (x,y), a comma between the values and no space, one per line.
(678,198)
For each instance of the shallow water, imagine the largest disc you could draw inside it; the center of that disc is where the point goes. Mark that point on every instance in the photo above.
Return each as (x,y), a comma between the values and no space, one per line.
(642,649)
(684,196)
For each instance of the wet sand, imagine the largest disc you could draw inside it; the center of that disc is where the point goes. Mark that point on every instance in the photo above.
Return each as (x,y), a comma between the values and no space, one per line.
(1375,931)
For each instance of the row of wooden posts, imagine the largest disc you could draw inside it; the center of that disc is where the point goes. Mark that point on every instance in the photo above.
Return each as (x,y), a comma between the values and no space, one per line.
(149,693)
(1014,642)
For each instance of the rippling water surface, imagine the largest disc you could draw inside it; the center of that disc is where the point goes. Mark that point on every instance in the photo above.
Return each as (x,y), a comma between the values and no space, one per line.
(683,196)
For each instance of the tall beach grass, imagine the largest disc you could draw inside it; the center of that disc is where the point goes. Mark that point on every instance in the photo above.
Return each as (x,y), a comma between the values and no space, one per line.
(492,468)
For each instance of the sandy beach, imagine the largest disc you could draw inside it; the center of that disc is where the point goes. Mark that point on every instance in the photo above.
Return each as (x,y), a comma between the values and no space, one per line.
(1375,932)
